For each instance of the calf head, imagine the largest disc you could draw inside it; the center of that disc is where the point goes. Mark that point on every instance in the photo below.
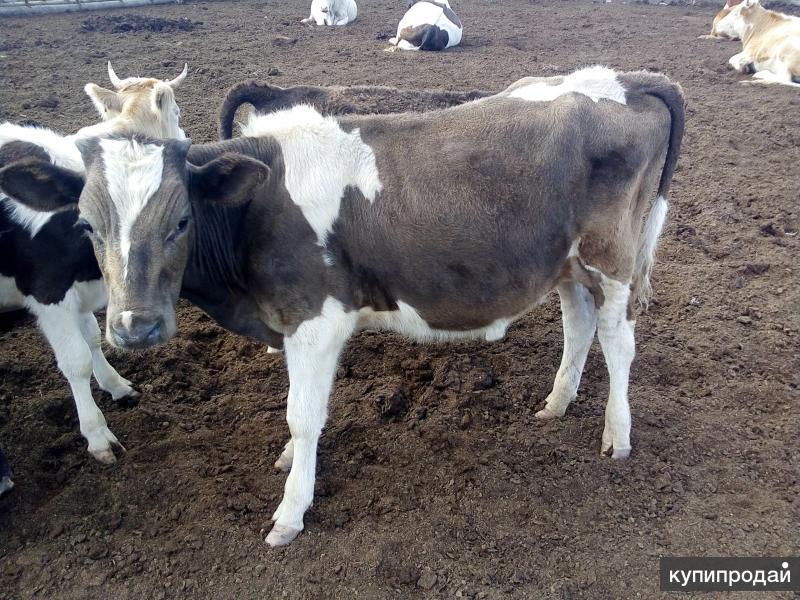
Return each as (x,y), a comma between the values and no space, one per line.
(738,20)
(323,13)
(724,31)
(138,203)
(147,104)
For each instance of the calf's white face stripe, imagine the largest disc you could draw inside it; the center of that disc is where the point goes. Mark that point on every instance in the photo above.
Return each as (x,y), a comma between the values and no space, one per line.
(321,161)
(133,174)
(595,82)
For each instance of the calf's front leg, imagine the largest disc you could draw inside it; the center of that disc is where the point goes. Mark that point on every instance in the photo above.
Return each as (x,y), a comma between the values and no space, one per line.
(62,328)
(107,377)
(742,62)
(312,353)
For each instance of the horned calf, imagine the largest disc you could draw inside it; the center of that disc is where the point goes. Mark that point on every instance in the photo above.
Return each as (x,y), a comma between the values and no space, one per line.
(47,265)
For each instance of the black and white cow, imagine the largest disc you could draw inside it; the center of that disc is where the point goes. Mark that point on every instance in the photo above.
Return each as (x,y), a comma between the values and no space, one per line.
(47,265)
(428,25)
(309,228)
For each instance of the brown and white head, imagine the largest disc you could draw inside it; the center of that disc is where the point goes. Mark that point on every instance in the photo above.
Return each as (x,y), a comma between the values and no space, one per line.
(142,105)
(140,202)
(736,21)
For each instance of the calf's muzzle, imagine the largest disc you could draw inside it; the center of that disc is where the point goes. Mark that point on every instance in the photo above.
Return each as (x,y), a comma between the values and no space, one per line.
(136,330)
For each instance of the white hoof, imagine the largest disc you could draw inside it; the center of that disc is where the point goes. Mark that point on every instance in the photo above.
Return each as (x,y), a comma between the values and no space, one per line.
(105,456)
(281,535)
(621,453)
(607,449)
(100,443)
(549,413)
(124,391)
(271,350)
(554,408)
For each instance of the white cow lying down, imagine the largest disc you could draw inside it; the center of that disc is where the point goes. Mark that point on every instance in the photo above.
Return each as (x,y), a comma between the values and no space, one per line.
(428,25)
(332,12)
(770,43)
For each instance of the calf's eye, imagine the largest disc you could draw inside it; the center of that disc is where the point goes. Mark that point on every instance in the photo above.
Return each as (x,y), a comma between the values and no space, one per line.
(182,225)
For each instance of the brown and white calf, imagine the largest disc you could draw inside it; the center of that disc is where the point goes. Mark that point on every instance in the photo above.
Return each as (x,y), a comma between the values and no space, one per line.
(770,43)
(47,265)
(310,227)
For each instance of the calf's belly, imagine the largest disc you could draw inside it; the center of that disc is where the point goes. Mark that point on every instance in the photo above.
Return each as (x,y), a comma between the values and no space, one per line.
(407,321)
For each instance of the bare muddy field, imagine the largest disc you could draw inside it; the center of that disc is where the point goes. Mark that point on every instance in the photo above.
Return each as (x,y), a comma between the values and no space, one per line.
(434,478)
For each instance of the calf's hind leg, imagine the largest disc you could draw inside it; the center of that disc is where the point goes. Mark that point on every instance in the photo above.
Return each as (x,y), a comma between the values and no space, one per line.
(579,317)
(615,332)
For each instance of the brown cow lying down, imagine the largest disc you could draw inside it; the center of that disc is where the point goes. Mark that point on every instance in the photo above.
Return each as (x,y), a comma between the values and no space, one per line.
(311,227)
(335,100)
(721,30)
(770,43)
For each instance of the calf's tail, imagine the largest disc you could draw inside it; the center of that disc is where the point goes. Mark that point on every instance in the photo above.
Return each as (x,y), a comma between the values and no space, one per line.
(247,92)
(659,86)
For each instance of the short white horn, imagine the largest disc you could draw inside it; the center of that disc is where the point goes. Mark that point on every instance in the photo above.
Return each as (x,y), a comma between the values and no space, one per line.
(115,81)
(179,79)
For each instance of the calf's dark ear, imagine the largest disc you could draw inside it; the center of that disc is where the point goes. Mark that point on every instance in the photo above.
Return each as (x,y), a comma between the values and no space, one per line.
(229,180)
(40,185)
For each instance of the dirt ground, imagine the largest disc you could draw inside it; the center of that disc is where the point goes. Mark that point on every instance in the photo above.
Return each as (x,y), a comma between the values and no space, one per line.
(434,477)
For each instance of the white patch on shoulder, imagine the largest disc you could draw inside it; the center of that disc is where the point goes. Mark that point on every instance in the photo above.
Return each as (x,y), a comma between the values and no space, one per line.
(133,174)
(595,82)
(406,320)
(321,161)
(27,218)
